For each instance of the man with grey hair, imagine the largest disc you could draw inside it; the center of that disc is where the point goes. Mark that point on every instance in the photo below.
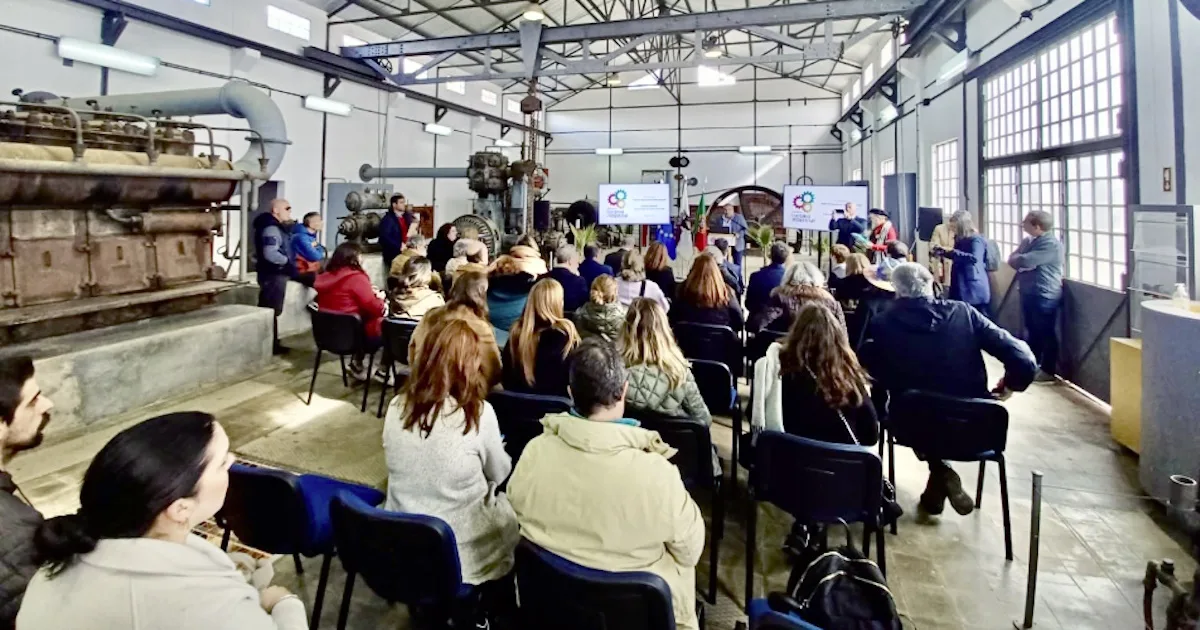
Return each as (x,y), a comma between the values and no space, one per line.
(763,281)
(969,277)
(613,260)
(1039,264)
(566,272)
(937,346)
(600,491)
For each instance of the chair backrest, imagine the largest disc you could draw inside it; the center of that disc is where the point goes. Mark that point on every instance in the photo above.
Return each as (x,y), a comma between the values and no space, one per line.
(339,333)
(556,593)
(757,348)
(716,384)
(691,438)
(266,509)
(710,342)
(405,558)
(520,416)
(397,333)
(817,482)
(948,427)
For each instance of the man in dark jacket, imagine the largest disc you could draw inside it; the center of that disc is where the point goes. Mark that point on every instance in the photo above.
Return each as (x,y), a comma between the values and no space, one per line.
(275,262)
(729,270)
(847,223)
(566,272)
(763,281)
(590,268)
(24,414)
(393,230)
(614,259)
(937,346)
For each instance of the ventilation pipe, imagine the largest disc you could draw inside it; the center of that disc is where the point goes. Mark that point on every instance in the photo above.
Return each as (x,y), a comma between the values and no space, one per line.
(368,172)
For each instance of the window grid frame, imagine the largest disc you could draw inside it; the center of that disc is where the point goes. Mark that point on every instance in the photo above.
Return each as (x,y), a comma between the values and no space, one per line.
(886,167)
(946,183)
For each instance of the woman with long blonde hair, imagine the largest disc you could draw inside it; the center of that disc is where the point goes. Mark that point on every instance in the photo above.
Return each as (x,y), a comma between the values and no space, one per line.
(633,284)
(660,378)
(444,452)
(535,359)
(704,298)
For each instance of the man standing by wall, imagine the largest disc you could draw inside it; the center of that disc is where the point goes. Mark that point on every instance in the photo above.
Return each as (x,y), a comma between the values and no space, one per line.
(393,230)
(24,414)
(1039,264)
(275,262)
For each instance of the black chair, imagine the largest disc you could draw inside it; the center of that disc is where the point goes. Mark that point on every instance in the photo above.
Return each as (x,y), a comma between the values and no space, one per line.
(557,593)
(815,482)
(694,458)
(343,335)
(409,559)
(711,343)
(397,333)
(756,347)
(719,390)
(953,429)
(520,417)
(281,513)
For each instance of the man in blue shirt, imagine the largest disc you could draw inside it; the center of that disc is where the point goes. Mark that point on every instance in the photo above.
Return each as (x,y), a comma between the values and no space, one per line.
(1039,264)
(393,230)
(735,225)
(308,251)
(591,268)
(763,281)
(847,223)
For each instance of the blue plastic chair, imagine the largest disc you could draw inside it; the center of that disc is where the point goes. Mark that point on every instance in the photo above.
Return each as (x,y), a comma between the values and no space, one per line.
(711,342)
(409,559)
(763,617)
(520,417)
(557,593)
(952,429)
(815,482)
(279,512)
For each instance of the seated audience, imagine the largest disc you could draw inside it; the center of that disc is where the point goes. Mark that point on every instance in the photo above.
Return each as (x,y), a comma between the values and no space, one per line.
(527,256)
(600,491)
(968,264)
(469,255)
(812,384)
(896,253)
(508,289)
(660,378)
(733,281)
(658,269)
(441,249)
(614,259)
(802,283)
(603,315)
(859,283)
(24,414)
(765,280)
(415,246)
(566,272)
(937,346)
(344,287)
(410,296)
(838,254)
(632,283)
(128,558)
(726,261)
(591,267)
(535,359)
(467,299)
(306,247)
(704,297)
(445,455)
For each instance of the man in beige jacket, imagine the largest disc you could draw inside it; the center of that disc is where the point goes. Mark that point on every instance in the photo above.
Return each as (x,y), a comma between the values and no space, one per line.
(600,491)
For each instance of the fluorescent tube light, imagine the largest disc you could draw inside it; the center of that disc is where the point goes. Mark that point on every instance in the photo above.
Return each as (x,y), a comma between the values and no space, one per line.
(318,104)
(755,149)
(438,130)
(107,56)
(609,151)
(501,142)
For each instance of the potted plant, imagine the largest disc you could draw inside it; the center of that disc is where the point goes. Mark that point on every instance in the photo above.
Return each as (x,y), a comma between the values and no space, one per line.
(762,236)
(583,236)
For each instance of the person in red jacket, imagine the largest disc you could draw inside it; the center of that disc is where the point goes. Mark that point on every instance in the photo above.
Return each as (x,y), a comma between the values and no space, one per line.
(881,233)
(345,288)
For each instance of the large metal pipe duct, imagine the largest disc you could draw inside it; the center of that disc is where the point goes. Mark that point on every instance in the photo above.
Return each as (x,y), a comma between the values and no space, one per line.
(368,172)
(236,98)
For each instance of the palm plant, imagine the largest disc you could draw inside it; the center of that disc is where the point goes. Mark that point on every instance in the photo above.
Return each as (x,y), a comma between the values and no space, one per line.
(584,236)
(762,236)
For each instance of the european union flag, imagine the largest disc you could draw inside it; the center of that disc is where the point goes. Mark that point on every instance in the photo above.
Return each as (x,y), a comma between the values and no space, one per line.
(665,234)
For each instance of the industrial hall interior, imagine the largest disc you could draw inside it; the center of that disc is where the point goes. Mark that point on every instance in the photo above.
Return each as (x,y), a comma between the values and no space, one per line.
(599,314)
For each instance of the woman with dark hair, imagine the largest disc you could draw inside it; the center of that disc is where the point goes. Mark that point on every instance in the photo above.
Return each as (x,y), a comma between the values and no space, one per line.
(658,269)
(127,559)
(441,250)
(535,358)
(344,287)
(705,298)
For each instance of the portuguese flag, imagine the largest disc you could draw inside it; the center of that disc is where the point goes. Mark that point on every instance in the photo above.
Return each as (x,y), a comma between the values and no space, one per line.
(701,233)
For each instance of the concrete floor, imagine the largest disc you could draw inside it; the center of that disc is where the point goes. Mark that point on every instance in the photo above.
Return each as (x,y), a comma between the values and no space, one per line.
(1097,532)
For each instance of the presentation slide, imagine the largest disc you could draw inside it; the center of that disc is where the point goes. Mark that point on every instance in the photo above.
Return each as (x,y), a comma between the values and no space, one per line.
(634,204)
(813,207)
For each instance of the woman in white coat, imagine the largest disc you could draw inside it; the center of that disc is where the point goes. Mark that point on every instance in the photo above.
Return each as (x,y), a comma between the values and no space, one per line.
(127,560)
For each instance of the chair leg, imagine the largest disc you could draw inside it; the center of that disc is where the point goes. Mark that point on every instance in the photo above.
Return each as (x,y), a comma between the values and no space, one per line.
(1008,549)
(345,381)
(866,540)
(718,532)
(891,446)
(382,395)
(321,584)
(737,438)
(344,613)
(881,550)
(299,566)
(751,544)
(979,486)
(225,539)
(313,384)
(367,383)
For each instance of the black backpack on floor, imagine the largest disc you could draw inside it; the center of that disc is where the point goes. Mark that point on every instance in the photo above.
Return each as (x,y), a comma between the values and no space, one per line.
(840,589)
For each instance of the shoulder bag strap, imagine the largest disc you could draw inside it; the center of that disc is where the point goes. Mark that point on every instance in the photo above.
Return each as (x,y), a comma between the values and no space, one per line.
(642,292)
(841,416)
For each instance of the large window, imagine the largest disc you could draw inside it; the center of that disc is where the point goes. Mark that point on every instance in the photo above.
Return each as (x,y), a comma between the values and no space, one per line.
(288,22)
(1052,142)
(856,175)
(946,176)
(886,167)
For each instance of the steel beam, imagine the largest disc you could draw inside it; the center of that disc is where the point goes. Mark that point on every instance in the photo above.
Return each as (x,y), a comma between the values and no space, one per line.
(665,25)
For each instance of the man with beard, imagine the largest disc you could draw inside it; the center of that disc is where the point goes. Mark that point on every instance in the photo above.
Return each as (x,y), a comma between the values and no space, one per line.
(24,413)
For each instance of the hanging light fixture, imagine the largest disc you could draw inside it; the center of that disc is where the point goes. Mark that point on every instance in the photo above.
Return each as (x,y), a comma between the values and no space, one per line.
(533,12)
(712,47)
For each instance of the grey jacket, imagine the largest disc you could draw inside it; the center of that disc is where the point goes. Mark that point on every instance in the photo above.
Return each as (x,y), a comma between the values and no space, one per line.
(18,522)
(604,321)
(1039,265)
(650,389)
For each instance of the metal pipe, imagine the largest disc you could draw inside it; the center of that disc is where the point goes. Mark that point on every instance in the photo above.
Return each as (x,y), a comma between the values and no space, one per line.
(1035,529)
(39,167)
(368,172)
(235,98)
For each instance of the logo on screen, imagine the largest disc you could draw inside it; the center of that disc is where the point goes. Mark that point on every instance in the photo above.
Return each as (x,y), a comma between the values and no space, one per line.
(617,199)
(804,201)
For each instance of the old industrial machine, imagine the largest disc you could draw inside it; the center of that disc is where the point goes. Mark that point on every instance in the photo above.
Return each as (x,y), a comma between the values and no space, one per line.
(108,208)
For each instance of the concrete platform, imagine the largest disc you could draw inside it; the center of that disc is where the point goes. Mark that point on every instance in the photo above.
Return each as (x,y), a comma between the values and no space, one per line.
(96,375)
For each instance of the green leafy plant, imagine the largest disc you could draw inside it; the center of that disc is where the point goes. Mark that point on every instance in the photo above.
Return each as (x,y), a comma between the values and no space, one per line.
(763,236)
(584,236)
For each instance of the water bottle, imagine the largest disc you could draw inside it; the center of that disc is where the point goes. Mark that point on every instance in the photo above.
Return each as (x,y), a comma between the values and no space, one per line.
(1180,296)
